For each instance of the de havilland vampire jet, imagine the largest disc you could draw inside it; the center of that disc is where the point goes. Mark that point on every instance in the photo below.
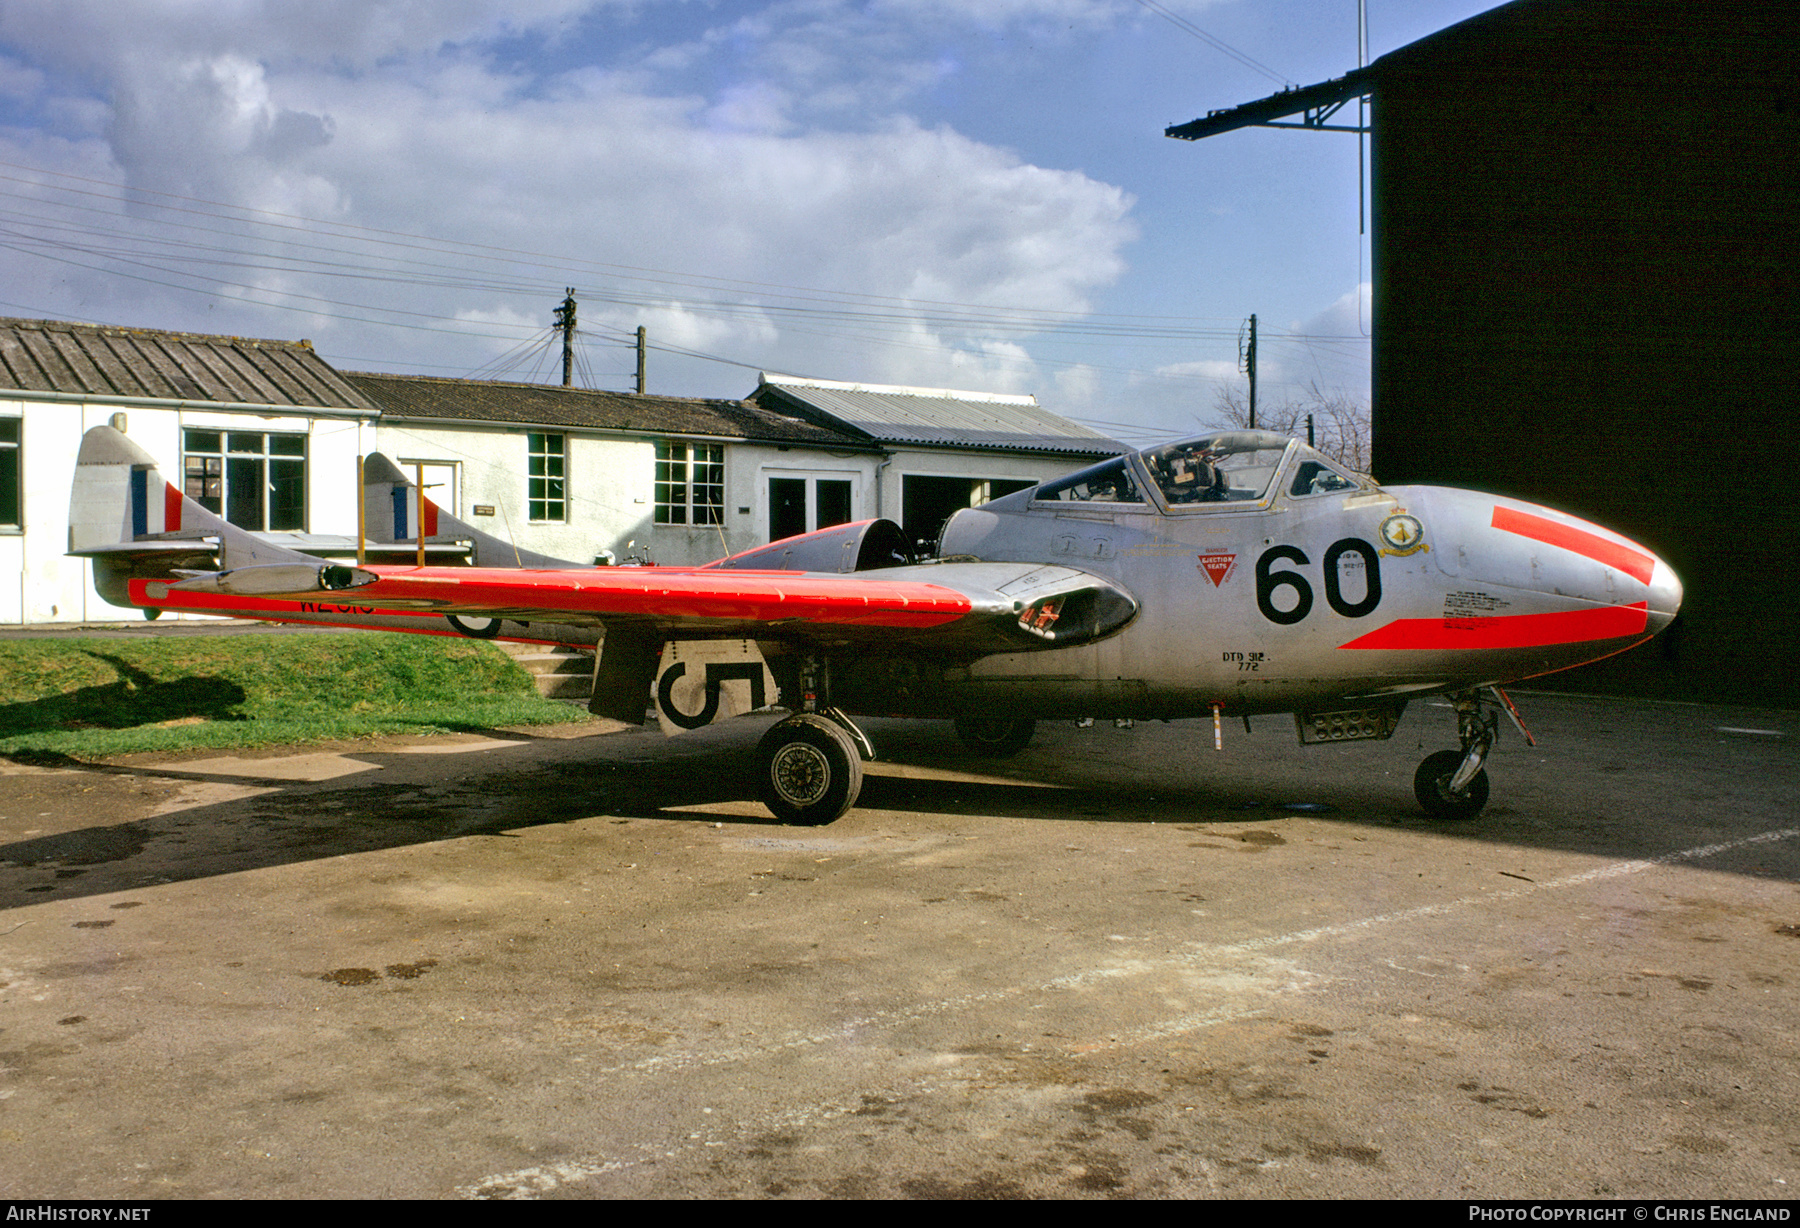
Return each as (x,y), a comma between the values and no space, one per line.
(1233,575)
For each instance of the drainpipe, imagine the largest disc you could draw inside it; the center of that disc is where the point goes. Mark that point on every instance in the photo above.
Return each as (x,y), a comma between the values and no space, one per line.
(883,465)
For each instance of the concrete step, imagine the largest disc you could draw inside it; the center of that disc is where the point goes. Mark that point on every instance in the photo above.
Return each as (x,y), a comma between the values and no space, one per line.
(560,672)
(565,686)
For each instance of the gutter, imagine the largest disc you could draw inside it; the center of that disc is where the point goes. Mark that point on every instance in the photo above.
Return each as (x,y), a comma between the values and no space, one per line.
(254,407)
(845,445)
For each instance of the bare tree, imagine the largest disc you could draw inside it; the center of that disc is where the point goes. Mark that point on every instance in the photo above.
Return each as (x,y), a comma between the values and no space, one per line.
(1340,421)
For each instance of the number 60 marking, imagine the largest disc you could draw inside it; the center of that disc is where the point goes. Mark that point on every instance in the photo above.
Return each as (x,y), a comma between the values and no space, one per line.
(1268,581)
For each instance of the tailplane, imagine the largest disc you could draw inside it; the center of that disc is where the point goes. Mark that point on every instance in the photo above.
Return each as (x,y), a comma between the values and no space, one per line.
(136,524)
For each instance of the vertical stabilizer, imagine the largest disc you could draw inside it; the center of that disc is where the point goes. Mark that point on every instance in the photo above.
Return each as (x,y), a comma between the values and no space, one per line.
(394,511)
(136,524)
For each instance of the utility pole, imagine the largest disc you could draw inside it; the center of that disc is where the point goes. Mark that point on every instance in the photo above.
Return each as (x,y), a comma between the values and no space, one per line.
(565,320)
(640,360)
(1247,364)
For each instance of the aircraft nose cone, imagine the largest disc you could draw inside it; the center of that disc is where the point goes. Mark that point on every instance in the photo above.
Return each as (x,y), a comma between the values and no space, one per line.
(1523,546)
(1665,595)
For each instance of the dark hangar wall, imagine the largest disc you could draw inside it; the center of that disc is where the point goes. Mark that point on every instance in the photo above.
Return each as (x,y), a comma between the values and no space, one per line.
(1587,292)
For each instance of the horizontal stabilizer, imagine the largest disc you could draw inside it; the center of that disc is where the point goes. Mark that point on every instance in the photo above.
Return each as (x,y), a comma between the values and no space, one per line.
(289,578)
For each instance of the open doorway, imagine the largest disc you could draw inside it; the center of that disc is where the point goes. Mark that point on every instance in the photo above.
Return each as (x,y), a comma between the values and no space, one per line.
(927,502)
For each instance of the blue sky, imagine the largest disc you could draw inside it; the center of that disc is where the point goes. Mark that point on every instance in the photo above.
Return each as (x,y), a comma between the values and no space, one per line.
(969,195)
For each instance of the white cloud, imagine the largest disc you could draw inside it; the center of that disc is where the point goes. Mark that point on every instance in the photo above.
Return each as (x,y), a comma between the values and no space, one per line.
(235,144)
(95,36)
(1351,315)
(19,80)
(400,117)
(1204,370)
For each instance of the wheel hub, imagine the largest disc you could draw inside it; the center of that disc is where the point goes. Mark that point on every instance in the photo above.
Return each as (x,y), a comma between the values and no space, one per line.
(801,773)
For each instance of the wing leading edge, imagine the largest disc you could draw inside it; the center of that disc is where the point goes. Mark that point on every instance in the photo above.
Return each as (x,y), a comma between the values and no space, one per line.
(982,607)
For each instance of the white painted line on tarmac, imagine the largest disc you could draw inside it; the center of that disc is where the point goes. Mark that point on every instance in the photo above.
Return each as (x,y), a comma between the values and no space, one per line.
(1612,870)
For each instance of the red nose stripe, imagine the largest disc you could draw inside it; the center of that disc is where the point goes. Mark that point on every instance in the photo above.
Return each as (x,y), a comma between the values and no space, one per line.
(1633,563)
(1509,631)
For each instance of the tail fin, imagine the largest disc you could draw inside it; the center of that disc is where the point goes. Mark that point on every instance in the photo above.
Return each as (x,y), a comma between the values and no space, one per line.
(394,511)
(136,524)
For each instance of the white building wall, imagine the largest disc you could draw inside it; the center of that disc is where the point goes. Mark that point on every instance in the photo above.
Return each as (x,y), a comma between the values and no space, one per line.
(749,468)
(876,486)
(609,484)
(40,583)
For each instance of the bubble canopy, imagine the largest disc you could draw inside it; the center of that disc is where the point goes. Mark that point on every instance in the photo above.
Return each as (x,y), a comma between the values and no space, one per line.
(1230,467)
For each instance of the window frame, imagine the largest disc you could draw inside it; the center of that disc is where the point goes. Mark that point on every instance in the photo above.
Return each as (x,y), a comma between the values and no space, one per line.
(546,492)
(12,473)
(278,463)
(676,494)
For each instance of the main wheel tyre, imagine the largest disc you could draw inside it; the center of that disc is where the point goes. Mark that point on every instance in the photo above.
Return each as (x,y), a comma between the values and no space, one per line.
(1431,785)
(995,739)
(811,772)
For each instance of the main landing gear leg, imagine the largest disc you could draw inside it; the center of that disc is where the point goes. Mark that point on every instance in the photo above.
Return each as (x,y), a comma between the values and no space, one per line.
(1452,784)
(812,761)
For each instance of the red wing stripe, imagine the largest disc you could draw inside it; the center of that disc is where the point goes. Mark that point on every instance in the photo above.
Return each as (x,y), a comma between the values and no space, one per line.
(1633,563)
(171,508)
(1604,622)
(429,515)
(734,595)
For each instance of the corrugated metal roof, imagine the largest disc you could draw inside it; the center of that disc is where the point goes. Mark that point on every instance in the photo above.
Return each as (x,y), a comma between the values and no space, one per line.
(428,397)
(98,361)
(937,417)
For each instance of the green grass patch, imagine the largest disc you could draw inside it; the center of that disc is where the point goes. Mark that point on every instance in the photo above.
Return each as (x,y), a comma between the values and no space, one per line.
(95,697)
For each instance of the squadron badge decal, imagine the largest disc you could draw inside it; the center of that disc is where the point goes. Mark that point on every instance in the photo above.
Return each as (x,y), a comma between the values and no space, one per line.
(1403,535)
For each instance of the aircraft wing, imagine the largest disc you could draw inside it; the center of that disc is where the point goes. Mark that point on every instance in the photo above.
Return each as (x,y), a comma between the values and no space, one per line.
(975,607)
(146,539)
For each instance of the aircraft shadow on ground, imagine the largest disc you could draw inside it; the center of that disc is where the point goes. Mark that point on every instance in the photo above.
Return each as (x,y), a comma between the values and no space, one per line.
(486,795)
(136,698)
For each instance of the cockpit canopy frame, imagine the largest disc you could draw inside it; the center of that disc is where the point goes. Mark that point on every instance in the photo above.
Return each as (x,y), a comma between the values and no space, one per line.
(1226,471)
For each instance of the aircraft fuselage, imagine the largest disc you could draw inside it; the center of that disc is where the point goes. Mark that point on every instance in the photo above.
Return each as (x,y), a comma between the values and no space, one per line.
(1322,587)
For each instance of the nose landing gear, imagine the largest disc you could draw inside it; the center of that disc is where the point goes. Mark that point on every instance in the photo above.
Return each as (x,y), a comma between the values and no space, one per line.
(1452,783)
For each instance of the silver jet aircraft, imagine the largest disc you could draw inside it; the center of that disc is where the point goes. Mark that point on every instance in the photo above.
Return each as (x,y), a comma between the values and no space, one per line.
(1228,576)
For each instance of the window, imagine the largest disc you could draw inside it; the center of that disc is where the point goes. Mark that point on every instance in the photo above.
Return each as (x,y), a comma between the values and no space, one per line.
(690,483)
(1108,482)
(255,481)
(548,494)
(1315,477)
(10,472)
(1236,467)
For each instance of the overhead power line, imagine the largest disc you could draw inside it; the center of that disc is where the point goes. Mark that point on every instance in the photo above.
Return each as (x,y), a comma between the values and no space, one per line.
(258,257)
(1187,27)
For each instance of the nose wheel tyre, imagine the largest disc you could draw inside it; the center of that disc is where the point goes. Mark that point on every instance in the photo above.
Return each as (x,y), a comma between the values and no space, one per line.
(1431,785)
(811,772)
(995,739)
